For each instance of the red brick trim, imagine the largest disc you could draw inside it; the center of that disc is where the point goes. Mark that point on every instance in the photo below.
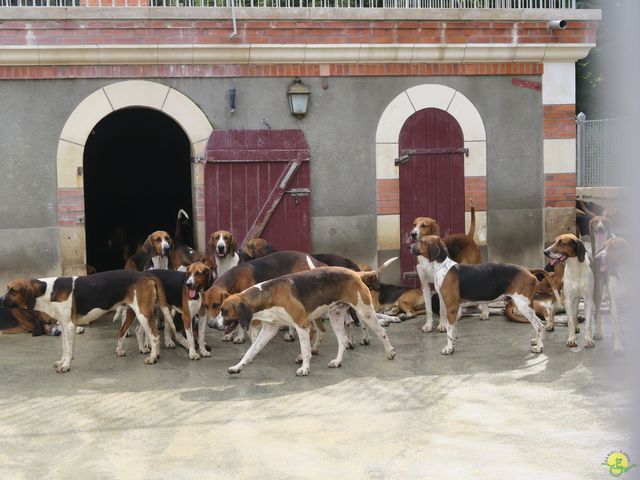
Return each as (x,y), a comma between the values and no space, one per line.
(388,195)
(70,207)
(201,32)
(198,191)
(559,121)
(559,189)
(277,70)
(475,189)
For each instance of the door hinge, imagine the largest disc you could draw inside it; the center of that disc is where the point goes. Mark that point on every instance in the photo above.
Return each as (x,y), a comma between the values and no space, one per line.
(403,158)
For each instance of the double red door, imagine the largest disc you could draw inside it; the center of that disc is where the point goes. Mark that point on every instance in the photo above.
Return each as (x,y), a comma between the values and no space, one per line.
(257,184)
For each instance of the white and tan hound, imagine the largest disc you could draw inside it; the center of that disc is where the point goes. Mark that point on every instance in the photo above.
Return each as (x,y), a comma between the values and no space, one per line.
(462,248)
(155,253)
(459,285)
(578,282)
(613,275)
(74,299)
(222,245)
(297,300)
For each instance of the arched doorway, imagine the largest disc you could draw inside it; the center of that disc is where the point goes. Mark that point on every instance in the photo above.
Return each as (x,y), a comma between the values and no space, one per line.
(137,175)
(76,133)
(431,152)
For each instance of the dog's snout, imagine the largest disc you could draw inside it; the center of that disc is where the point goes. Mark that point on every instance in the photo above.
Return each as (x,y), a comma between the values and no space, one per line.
(414,236)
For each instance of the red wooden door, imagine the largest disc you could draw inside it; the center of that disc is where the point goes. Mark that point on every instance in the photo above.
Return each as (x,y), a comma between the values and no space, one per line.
(257,184)
(431,149)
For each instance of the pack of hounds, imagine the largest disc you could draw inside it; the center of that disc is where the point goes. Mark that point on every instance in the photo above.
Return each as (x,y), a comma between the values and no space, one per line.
(256,291)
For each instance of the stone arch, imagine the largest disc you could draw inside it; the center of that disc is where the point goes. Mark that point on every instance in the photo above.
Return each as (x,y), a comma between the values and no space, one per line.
(70,155)
(387,177)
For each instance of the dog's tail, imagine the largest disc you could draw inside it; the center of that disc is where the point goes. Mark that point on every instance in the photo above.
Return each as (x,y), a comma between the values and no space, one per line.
(370,278)
(177,234)
(472,227)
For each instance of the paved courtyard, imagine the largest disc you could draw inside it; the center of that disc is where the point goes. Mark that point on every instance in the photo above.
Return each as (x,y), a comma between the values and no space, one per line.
(492,410)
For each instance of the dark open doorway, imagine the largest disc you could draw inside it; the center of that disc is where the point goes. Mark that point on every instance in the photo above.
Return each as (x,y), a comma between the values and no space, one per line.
(137,175)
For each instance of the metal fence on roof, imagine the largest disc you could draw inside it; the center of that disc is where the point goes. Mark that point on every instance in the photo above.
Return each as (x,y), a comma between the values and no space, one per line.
(358,4)
(599,150)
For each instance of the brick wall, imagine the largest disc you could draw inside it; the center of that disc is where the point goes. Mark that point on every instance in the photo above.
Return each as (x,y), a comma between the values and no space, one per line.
(559,121)
(559,189)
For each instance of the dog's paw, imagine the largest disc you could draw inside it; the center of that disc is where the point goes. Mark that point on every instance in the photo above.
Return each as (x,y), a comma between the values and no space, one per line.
(204,353)
(288,337)
(298,359)
(442,328)
(447,350)
(572,343)
(391,354)
(427,328)
(314,351)
(63,368)
(194,356)
(589,343)
(404,316)
(79,330)
(238,340)
(484,316)
(302,372)
(537,349)
(120,352)
(351,345)
(227,337)
(150,360)
(145,350)
(365,341)
(550,328)
(169,344)
(577,329)
(234,370)
(334,364)
(384,322)
(534,341)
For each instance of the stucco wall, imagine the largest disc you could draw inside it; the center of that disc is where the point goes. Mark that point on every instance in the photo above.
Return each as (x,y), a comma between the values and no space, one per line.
(340,129)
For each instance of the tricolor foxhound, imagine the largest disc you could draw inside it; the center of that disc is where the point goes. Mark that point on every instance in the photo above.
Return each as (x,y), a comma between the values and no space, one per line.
(461,247)
(298,299)
(459,284)
(154,253)
(247,274)
(74,299)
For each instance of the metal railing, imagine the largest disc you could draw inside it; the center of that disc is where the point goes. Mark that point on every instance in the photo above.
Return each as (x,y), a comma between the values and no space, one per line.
(599,150)
(359,4)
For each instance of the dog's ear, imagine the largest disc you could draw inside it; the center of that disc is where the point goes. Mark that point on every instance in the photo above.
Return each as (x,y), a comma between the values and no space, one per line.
(371,280)
(36,289)
(436,228)
(232,243)
(209,277)
(433,251)
(210,262)
(244,313)
(580,250)
(147,246)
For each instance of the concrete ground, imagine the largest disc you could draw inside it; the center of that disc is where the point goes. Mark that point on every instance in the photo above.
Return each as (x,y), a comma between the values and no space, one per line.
(492,410)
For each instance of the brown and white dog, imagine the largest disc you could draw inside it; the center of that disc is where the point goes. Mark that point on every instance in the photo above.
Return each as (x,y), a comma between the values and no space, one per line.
(599,233)
(613,276)
(459,284)
(184,293)
(74,299)
(298,299)
(21,320)
(461,247)
(578,282)
(546,300)
(222,245)
(247,274)
(255,248)
(154,253)
(396,303)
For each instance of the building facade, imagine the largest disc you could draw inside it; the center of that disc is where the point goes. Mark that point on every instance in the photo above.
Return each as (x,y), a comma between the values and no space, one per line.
(108,115)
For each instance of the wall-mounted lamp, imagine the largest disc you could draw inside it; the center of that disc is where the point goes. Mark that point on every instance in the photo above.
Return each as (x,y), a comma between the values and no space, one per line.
(231,94)
(557,24)
(298,94)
